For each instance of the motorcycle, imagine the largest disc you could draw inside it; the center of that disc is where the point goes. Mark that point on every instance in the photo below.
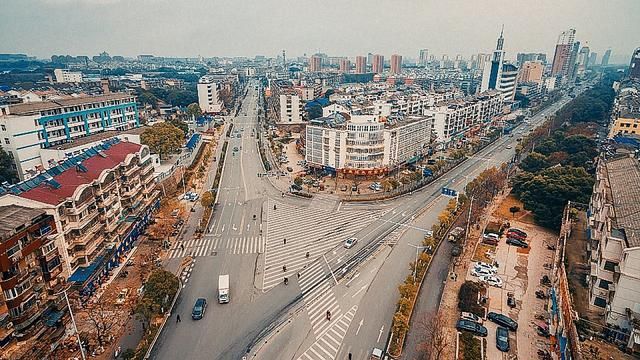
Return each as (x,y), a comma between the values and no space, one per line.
(540,294)
(328,315)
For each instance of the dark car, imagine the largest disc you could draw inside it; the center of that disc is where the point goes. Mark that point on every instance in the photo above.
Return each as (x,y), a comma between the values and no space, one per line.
(471,326)
(503,320)
(296,187)
(517,231)
(502,339)
(199,308)
(515,235)
(518,243)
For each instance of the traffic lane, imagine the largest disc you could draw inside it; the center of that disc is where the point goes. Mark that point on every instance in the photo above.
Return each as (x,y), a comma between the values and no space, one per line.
(213,336)
(379,303)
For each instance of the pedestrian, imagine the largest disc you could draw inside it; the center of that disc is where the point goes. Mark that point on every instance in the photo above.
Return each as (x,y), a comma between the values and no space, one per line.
(285,241)
(178,318)
(182,247)
(349,356)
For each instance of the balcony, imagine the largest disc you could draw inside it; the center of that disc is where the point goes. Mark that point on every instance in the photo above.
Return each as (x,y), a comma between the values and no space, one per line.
(103,188)
(131,170)
(86,234)
(78,225)
(79,208)
(10,279)
(105,202)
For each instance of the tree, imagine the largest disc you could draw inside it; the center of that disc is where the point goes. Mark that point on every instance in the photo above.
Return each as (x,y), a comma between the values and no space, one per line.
(431,327)
(180,125)
(193,110)
(534,162)
(159,290)
(7,172)
(102,318)
(162,138)
(513,210)
(207,199)
(298,181)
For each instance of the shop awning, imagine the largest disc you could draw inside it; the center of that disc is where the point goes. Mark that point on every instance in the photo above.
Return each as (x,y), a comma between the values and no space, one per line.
(53,317)
(83,274)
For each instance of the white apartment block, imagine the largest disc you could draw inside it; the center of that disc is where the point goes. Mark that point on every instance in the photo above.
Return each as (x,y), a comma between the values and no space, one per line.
(291,108)
(614,230)
(451,119)
(364,145)
(26,129)
(66,76)
(209,94)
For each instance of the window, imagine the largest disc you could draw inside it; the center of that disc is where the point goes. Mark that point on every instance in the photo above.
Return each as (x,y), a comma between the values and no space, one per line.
(4,128)
(600,302)
(610,265)
(604,284)
(6,141)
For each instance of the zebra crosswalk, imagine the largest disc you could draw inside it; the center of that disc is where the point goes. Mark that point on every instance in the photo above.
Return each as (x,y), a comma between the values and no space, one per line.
(306,230)
(326,347)
(209,245)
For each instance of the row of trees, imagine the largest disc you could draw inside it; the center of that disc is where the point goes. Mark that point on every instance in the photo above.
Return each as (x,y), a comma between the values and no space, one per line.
(176,97)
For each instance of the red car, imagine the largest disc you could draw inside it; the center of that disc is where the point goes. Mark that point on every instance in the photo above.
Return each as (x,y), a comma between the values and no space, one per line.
(515,235)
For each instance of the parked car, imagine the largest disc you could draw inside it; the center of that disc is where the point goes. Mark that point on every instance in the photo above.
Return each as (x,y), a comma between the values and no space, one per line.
(472,327)
(491,236)
(289,169)
(490,267)
(470,316)
(122,296)
(354,187)
(343,188)
(479,271)
(518,231)
(518,243)
(235,148)
(490,241)
(515,235)
(503,320)
(502,339)
(350,242)
(296,187)
(199,308)
(492,280)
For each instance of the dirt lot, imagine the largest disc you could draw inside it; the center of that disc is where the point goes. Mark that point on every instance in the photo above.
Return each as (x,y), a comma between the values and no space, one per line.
(503,211)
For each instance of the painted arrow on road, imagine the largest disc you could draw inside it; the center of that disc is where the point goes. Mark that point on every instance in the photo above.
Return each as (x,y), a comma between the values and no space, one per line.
(380,334)
(359,326)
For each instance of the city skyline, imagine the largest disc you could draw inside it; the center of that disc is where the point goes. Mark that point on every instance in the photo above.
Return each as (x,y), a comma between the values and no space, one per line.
(92,26)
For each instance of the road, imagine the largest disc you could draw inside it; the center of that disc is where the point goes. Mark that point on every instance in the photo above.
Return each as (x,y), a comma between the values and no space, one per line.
(358,285)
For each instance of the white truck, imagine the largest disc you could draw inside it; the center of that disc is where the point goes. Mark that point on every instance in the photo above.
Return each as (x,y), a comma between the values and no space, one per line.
(223,289)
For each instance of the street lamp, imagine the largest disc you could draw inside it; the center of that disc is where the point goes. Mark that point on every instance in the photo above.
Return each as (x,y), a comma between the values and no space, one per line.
(73,320)
(415,264)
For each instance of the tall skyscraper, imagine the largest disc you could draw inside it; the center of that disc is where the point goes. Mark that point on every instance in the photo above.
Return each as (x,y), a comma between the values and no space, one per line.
(573,62)
(344,66)
(562,56)
(583,60)
(361,64)
(396,64)
(377,64)
(315,63)
(605,57)
(634,66)
(500,75)
(424,57)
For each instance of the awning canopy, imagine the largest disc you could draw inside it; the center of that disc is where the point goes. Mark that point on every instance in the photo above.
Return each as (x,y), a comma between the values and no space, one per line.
(53,317)
(84,273)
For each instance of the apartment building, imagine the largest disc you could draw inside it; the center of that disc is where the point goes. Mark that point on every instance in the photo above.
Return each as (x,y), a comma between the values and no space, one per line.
(209,94)
(362,145)
(626,111)
(453,118)
(25,129)
(66,76)
(30,265)
(614,223)
(100,201)
(291,108)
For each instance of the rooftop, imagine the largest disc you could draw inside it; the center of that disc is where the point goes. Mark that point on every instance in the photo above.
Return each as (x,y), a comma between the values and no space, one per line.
(14,216)
(624,179)
(59,183)
(34,107)
(101,136)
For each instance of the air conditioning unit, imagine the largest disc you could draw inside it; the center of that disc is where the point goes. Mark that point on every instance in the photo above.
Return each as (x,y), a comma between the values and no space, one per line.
(9,325)
(39,279)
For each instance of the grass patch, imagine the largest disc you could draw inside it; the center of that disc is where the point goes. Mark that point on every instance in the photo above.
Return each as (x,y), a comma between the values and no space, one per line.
(481,253)
(503,210)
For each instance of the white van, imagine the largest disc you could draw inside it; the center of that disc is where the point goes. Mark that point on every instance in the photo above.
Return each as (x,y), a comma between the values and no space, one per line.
(223,289)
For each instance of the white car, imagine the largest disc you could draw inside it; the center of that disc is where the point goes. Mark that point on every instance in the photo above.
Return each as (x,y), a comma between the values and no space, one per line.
(350,242)
(479,271)
(470,316)
(491,280)
(480,264)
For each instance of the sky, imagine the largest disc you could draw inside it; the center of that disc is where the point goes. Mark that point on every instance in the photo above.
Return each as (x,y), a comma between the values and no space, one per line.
(190,28)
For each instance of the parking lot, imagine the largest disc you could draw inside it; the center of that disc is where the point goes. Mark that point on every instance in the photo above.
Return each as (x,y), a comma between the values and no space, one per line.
(519,271)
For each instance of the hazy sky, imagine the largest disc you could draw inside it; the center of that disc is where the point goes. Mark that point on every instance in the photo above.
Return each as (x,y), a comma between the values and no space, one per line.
(336,27)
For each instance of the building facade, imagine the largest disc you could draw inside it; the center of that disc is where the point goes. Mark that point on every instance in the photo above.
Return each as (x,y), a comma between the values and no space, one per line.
(28,128)
(634,66)
(291,108)
(377,64)
(315,63)
(99,202)
(209,95)
(499,75)
(531,71)
(361,64)
(344,66)
(561,58)
(30,264)
(396,64)
(364,146)
(66,76)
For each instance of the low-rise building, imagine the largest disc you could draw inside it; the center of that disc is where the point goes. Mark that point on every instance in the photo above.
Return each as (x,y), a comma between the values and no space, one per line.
(626,112)
(100,201)
(26,129)
(291,108)
(209,94)
(66,76)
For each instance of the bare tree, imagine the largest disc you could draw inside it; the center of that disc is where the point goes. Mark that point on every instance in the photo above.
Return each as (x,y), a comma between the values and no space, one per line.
(102,317)
(435,340)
